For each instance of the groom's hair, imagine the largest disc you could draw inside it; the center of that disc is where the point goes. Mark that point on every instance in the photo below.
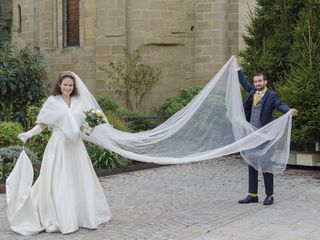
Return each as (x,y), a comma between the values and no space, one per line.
(260,74)
(56,88)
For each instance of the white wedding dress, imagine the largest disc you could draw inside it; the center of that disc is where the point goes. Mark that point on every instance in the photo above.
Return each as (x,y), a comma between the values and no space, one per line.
(67,194)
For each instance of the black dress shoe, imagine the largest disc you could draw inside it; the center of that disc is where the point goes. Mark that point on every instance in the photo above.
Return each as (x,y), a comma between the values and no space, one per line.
(268,200)
(249,199)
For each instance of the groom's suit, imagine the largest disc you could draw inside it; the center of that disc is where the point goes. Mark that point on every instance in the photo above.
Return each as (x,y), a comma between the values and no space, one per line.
(263,110)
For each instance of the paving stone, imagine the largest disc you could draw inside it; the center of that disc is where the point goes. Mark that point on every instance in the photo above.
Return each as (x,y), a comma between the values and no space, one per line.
(198,201)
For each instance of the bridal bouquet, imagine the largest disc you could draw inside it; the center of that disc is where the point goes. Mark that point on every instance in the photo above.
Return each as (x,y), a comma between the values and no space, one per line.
(93,118)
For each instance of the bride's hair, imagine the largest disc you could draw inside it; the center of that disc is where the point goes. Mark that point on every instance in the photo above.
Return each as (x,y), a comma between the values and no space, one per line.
(56,88)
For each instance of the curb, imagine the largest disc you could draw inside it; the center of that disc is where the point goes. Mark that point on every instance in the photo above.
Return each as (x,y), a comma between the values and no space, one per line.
(108,172)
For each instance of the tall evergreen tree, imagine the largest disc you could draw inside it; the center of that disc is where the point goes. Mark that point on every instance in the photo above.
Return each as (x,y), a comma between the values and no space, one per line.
(270,37)
(301,85)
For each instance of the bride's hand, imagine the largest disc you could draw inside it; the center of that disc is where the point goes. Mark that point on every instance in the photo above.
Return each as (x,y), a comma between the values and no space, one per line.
(23,137)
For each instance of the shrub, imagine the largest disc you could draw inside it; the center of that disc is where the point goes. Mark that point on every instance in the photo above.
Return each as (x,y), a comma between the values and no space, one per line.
(23,81)
(4,35)
(9,133)
(5,170)
(9,156)
(107,104)
(132,80)
(39,142)
(139,123)
(116,121)
(174,104)
(104,159)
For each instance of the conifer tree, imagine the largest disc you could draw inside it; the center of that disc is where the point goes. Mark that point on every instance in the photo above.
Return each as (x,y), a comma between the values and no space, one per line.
(269,38)
(301,85)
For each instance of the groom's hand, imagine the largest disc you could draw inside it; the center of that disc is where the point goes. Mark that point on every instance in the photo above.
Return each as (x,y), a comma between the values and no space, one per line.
(236,61)
(294,112)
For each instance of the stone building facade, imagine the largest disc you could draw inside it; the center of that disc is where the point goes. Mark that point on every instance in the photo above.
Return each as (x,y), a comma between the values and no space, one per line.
(189,40)
(6,12)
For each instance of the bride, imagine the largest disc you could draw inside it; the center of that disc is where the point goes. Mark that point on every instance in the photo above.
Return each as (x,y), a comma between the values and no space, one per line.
(67,195)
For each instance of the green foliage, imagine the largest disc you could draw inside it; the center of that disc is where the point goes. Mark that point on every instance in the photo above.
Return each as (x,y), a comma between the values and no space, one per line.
(5,170)
(9,156)
(283,42)
(269,38)
(104,159)
(302,82)
(23,81)
(131,79)
(107,104)
(4,36)
(137,124)
(39,142)
(9,132)
(174,104)
(116,121)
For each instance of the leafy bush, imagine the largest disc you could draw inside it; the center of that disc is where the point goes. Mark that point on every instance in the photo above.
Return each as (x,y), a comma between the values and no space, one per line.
(107,104)
(9,133)
(104,159)
(116,121)
(132,80)
(174,104)
(4,36)
(23,81)
(39,142)
(140,123)
(8,158)
(5,170)
(10,154)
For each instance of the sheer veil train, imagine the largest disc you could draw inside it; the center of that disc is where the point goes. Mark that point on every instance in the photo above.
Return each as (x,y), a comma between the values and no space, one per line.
(212,125)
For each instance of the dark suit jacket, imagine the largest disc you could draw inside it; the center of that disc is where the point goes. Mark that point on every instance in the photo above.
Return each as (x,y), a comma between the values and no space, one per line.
(270,101)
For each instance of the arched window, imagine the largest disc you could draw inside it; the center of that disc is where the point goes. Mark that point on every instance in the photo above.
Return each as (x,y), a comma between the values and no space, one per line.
(71,22)
(19,20)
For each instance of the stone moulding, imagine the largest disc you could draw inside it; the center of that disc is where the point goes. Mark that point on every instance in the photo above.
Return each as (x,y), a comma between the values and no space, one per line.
(164,44)
(304,159)
(115,35)
(178,32)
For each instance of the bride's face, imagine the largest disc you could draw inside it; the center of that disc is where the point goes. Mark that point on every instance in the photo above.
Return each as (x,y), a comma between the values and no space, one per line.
(67,86)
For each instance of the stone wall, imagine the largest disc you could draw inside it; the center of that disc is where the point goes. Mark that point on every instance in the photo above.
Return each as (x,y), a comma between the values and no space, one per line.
(189,40)
(6,12)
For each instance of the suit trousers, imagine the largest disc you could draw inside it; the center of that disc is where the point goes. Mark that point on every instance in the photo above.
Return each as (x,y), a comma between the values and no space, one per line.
(253,181)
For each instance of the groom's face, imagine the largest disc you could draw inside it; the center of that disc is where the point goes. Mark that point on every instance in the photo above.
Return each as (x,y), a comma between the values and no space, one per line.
(259,82)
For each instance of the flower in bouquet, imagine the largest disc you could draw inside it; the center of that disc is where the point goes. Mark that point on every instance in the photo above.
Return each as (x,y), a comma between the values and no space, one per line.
(93,118)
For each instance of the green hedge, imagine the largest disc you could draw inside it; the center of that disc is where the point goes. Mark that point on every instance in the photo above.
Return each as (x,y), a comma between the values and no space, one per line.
(9,133)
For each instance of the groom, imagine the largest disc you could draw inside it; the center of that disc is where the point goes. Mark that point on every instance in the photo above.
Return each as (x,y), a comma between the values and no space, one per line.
(258,107)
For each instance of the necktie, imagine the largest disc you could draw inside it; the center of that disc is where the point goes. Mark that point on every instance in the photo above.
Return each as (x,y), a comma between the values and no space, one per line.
(256,97)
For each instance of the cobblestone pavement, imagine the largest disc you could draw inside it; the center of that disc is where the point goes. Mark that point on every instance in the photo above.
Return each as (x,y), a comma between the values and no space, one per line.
(199,202)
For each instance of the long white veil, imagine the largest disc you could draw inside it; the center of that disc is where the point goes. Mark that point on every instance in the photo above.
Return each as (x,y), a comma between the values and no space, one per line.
(212,125)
